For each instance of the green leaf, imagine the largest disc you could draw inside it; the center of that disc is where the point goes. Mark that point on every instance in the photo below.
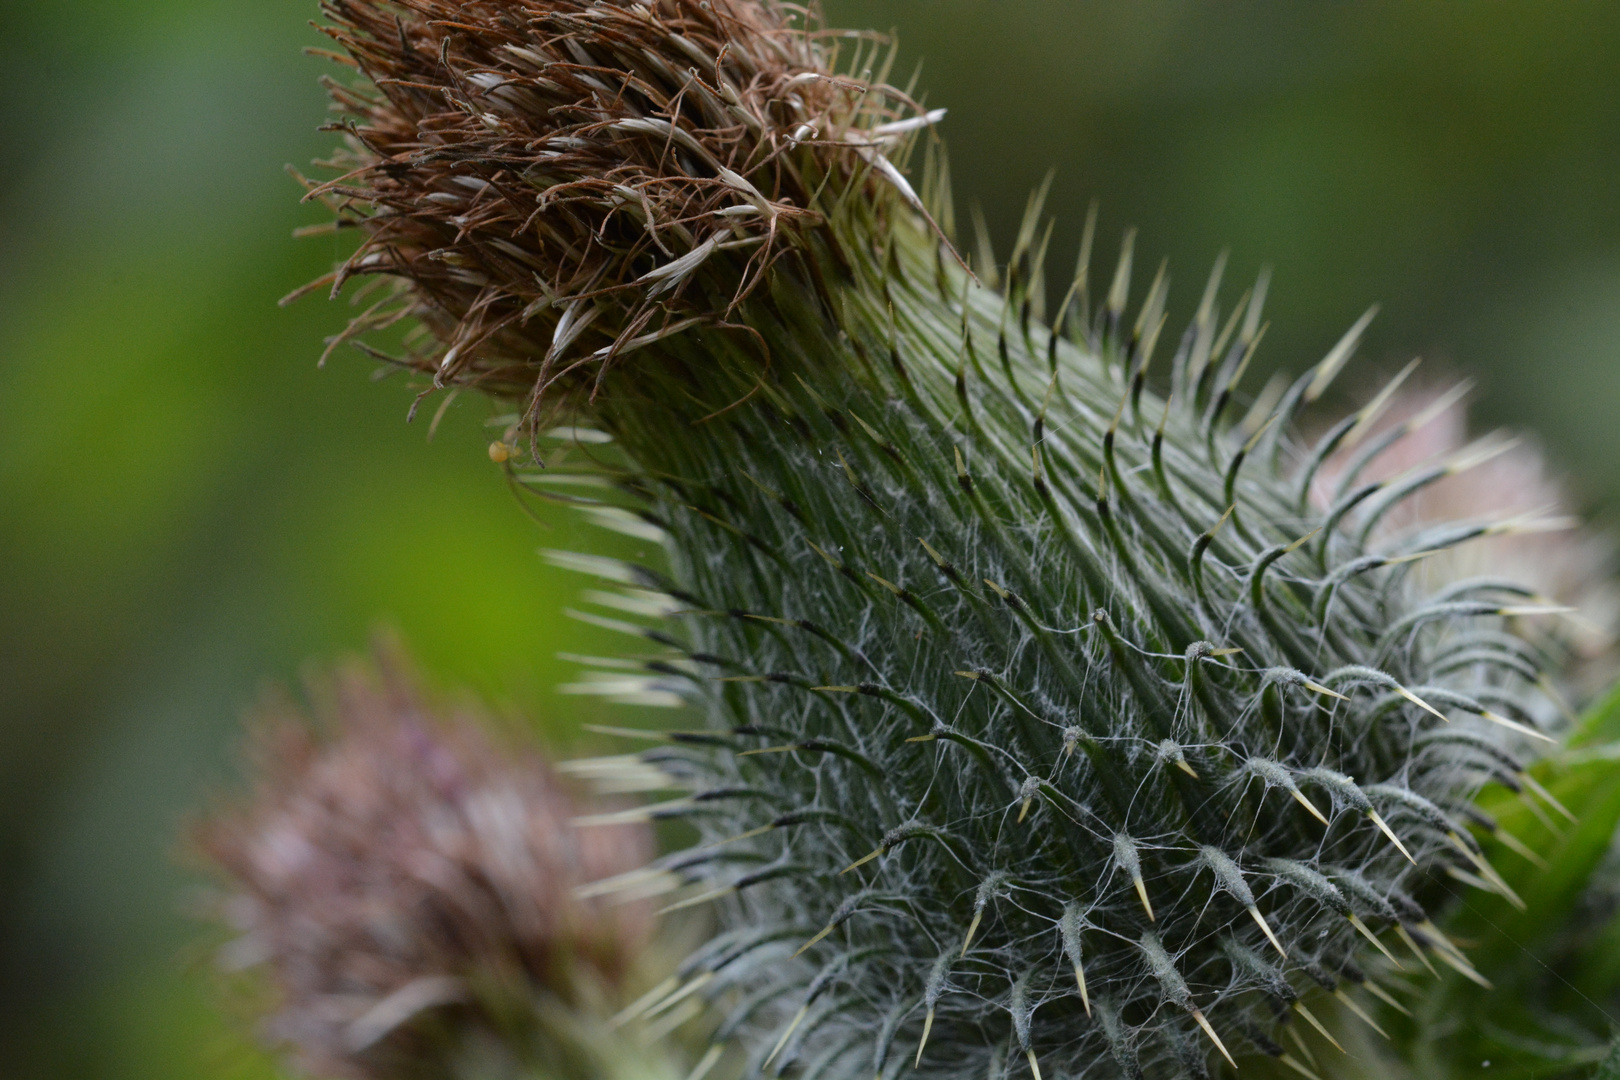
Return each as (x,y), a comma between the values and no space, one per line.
(1601,724)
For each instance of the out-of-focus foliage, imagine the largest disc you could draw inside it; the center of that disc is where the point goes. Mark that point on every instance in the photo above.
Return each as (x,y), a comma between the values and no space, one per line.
(188,506)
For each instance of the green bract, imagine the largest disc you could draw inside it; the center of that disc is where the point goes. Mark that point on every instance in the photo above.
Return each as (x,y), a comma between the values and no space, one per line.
(1050,720)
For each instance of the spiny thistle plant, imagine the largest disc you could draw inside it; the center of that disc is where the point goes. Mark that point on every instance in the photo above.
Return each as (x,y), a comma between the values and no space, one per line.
(406,886)
(1050,726)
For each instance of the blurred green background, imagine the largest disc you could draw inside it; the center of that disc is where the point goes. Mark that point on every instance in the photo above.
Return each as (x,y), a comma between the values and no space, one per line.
(188,507)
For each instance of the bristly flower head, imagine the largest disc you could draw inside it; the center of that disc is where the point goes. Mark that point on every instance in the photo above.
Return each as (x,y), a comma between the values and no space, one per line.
(409,886)
(551,184)
(1048,722)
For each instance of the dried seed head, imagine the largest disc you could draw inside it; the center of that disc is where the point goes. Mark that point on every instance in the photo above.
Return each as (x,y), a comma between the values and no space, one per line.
(406,883)
(550,184)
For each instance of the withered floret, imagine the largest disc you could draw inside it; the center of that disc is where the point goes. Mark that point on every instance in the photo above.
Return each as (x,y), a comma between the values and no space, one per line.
(407,884)
(550,184)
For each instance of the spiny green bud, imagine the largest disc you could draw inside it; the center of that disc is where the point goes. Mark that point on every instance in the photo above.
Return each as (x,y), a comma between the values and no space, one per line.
(1048,718)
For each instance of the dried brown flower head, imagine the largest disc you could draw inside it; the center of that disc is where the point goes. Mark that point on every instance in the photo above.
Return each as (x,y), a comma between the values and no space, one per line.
(549,184)
(407,882)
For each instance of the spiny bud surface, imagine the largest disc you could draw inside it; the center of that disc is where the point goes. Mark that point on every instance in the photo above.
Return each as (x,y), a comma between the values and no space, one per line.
(1050,724)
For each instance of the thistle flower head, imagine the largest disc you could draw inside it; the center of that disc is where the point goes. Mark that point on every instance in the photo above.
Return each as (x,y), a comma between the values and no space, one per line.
(1047,717)
(551,184)
(405,882)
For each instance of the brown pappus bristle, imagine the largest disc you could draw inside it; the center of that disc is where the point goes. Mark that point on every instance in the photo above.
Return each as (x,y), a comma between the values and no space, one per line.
(543,180)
